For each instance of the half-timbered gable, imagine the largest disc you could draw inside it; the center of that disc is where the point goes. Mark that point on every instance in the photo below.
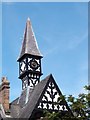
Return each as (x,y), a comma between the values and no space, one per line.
(45,97)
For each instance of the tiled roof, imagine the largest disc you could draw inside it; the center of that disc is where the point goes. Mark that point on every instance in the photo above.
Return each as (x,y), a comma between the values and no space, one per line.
(33,99)
(29,45)
(18,106)
(14,108)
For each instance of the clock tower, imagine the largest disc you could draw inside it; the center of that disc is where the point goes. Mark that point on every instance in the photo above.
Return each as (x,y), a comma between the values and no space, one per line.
(29,59)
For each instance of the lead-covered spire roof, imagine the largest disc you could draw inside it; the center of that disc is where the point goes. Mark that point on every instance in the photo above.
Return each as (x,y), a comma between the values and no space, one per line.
(29,45)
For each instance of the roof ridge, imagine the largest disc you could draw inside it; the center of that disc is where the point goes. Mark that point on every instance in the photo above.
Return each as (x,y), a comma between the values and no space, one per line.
(14,100)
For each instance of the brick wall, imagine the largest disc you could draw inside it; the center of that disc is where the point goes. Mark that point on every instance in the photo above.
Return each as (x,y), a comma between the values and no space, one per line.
(4,93)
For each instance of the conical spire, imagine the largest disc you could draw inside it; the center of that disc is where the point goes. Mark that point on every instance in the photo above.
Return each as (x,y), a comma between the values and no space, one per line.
(29,45)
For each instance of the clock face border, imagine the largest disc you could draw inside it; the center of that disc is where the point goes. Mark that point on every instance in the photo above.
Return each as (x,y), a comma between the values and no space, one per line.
(34,64)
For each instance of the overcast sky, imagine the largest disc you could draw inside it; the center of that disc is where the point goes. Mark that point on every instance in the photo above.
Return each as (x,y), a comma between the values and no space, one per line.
(61,30)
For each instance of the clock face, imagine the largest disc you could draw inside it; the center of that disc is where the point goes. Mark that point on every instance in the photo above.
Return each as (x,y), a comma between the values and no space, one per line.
(34,64)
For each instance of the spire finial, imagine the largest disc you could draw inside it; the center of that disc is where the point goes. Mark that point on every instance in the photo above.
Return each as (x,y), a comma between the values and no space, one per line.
(28,19)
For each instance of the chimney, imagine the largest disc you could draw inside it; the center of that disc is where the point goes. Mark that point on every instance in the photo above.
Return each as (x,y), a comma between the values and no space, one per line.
(4,93)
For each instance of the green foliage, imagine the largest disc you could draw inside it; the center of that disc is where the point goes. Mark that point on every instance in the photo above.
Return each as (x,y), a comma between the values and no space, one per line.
(52,116)
(80,105)
(87,87)
(56,116)
(71,99)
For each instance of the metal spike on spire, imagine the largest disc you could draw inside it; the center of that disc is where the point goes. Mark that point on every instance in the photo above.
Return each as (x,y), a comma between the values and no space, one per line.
(29,45)
(28,19)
